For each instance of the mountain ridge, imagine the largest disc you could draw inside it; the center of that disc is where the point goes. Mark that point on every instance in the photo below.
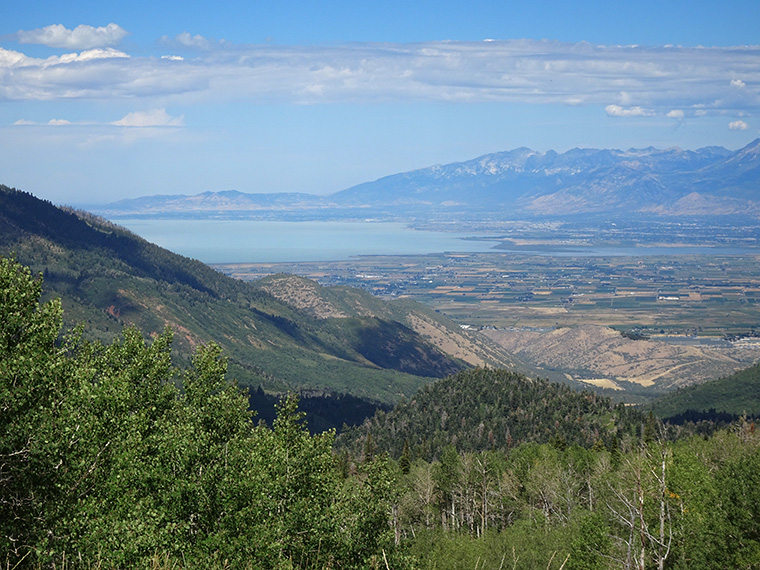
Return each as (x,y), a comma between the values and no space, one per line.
(600,356)
(108,278)
(520,182)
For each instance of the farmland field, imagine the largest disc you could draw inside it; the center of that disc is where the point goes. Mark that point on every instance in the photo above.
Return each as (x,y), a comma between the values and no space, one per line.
(703,295)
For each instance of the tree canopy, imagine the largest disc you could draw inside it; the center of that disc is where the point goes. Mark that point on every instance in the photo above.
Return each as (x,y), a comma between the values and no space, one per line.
(110,453)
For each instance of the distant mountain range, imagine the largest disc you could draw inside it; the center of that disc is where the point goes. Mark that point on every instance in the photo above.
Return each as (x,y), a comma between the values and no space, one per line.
(522,182)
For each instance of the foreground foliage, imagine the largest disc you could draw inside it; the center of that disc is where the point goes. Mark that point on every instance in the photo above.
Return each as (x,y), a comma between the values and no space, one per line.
(110,456)
(500,471)
(691,504)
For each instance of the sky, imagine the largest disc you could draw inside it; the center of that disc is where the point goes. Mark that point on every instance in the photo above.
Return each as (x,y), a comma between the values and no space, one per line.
(102,101)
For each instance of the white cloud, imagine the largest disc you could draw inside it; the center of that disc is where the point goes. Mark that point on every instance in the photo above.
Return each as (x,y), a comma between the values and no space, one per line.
(13,59)
(189,41)
(80,38)
(9,58)
(675,114)
(738,126)
(618,111)
(88,55)
(87,135)
(737,83)
(641,81)
(154,118)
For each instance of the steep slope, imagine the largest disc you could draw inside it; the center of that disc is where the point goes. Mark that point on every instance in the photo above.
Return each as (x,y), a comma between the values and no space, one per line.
(350,303)
(736,176)
(108,277)
(736,394)
(602,357)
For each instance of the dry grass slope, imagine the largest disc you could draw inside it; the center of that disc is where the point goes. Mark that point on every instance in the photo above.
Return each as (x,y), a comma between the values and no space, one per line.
(593,353)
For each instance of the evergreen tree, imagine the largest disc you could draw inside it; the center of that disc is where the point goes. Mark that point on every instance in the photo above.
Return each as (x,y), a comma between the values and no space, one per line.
(405,460)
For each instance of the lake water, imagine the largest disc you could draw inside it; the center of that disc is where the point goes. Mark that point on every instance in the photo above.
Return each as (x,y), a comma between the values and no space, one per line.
(241,241)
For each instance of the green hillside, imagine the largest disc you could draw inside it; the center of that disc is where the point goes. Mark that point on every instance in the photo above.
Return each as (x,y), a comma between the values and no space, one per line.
(478,410)
(734,395)
(107,277)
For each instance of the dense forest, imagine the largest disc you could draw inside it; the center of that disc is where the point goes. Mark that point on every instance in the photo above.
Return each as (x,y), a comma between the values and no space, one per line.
(483,409)
(113,457)
(735,396)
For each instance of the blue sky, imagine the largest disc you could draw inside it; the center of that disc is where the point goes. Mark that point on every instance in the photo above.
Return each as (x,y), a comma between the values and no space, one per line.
(101,102)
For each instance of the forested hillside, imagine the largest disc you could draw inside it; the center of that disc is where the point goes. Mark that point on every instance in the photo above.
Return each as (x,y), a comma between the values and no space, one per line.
(691,504)
(726,398)
(110,457)
(107,277)
(478,410)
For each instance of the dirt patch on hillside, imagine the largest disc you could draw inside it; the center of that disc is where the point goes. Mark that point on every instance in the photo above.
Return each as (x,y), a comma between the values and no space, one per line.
(454,345)
(303,294)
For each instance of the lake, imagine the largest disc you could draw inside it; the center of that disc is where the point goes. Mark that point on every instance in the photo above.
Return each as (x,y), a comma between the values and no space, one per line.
(252,241)
(242,241)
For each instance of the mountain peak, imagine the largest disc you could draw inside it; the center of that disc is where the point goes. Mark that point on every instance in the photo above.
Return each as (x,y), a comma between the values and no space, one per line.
(751,148)
(747,156)
(578,181)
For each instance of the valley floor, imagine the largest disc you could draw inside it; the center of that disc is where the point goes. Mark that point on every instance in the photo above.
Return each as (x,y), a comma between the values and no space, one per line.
(688,318)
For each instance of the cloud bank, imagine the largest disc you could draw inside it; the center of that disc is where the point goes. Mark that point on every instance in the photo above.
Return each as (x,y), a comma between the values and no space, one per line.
(627,81)
(82,37)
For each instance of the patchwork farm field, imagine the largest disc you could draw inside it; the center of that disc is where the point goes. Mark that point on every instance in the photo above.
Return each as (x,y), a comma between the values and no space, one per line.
(691,295)
(698,314)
